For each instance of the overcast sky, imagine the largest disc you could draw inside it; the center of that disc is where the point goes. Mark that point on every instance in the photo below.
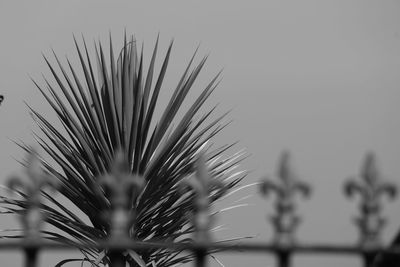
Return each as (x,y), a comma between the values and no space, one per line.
(320,78)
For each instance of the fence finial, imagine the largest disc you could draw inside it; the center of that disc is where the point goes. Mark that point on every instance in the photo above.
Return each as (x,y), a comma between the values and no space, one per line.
(202,184)
(285,220)
(121,185)
(31,185)
(32,218)
(370,222)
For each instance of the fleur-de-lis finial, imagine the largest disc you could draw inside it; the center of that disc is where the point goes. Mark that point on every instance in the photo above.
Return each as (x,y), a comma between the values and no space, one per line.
(121,185)
(203,185)
(36,179)
(370,223)
(285,220)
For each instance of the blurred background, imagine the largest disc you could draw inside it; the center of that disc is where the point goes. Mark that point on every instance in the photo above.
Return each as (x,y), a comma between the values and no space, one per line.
(319,78)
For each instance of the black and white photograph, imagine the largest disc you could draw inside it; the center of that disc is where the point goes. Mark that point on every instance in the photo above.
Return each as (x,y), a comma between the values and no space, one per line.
(199,133)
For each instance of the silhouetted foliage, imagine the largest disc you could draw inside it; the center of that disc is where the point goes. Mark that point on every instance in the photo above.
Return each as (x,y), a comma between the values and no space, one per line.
(115,110)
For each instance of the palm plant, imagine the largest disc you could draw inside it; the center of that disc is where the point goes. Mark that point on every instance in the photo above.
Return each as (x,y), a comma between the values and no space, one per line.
(113,110)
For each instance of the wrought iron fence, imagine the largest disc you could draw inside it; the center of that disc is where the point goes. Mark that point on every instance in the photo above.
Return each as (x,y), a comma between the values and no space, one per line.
(370,222)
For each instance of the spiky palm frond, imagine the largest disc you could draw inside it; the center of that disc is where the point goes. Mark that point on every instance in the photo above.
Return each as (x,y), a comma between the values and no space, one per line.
(114,109)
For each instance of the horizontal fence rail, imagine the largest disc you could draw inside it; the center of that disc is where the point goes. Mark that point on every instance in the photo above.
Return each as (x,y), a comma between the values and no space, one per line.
(121,184)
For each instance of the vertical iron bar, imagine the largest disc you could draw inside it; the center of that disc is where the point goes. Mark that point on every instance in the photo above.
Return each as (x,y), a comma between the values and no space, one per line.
(369,259)
(370,221)
(32,218)
(31,256)
(200,257)
(284,258)
(117,259)
(285,220)
(123,188)
(203,184)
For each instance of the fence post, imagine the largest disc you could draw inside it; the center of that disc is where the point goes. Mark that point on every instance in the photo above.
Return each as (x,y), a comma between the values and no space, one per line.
(123,187)
(284,258)
(32,218)
(370,222)
(202,184)
(285,221)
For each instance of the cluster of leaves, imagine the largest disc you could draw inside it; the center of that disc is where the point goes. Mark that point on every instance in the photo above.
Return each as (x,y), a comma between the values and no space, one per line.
(112,110)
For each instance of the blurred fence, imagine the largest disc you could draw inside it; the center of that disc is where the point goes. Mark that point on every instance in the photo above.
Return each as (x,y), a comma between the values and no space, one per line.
(284,221)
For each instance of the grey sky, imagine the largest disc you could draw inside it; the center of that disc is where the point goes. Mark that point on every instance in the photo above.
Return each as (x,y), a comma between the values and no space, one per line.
(320,78)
